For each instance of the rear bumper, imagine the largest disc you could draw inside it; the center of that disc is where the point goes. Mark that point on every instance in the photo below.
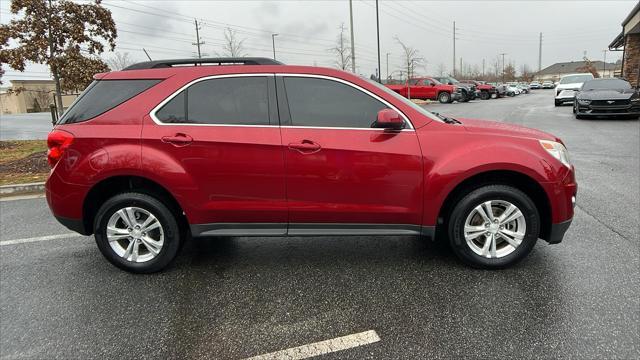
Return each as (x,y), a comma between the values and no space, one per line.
(76,225)
(557,231)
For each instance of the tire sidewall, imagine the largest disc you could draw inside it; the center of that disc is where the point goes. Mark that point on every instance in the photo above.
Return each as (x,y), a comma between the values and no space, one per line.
(159,210)
(477,197)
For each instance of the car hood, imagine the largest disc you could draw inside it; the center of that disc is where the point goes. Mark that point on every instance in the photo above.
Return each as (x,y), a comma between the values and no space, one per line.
(607,94)
(504,129)
(569,86)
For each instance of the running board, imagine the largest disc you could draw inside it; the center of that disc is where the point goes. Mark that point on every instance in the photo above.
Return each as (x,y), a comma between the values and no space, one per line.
(308,229)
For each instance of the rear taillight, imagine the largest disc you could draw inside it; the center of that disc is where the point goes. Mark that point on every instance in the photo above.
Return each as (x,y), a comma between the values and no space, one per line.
(57,142)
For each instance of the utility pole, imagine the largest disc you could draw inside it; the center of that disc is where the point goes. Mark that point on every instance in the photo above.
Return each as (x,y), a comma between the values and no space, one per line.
(353,44)
(273,43)
(461,68)
(503,54)
(454,49)
(198,42)
(540,54)
(388,66)
(378,33)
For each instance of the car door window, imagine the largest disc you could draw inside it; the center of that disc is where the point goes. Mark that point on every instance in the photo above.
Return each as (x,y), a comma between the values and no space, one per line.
(425,82)
(328,103)
(225,101)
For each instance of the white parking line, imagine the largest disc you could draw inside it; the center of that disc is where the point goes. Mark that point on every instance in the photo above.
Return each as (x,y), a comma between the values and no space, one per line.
(322,347)
(41,238)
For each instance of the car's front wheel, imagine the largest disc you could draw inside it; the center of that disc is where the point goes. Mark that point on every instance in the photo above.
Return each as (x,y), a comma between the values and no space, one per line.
(484,95)
(444,97)
(493,227)
(137,232)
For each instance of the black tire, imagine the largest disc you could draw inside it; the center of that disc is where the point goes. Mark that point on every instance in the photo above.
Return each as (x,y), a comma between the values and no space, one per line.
(166,218)
(557,103)
(465,206)
(465,97)
(484,95)
(574,108)
(444,97)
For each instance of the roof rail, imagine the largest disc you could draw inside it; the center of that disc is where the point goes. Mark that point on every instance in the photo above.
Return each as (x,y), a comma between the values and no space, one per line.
(196,62)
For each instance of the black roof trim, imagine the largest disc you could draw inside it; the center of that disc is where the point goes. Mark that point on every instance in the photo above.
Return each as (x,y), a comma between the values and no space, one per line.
(195,62)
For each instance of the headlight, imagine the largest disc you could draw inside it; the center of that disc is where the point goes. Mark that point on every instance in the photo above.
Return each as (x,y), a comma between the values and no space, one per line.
(557,150)
(636,100)
(584,101)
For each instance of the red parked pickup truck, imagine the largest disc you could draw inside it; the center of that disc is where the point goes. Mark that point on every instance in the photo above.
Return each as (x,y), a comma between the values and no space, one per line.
(427,88)
(486,90)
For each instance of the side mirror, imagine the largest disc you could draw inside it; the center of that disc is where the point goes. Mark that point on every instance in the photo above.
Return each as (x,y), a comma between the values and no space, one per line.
(432,84)
(389,119)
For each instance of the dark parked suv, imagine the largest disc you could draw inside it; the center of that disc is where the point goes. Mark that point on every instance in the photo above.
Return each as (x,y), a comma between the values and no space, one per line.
(163,151)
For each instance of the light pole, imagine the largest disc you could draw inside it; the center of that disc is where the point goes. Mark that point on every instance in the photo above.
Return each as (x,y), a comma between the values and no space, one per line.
(388,65)
(273,42)
(353,45)
(378,33)
(503,54)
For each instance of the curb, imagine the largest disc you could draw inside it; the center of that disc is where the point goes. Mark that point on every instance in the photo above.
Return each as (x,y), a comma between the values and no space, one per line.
(20,189)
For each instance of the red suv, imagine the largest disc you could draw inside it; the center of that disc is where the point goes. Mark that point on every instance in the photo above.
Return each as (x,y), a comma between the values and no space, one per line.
(159,152)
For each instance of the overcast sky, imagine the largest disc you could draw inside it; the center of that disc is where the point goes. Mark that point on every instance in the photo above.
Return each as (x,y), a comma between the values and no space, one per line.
(308,29)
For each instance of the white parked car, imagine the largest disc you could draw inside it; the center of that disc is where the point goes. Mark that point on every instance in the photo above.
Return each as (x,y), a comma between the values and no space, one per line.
(512,90)
(568,86)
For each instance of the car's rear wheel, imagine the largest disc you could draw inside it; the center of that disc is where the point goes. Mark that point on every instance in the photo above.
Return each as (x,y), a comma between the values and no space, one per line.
(484,95)
(137,232)
(444,97)
(493,227)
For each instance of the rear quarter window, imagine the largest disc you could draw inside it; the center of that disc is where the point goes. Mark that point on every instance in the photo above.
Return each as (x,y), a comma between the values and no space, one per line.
(102,96)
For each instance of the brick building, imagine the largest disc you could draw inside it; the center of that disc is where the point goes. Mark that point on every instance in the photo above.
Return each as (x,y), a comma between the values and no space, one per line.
(629,42)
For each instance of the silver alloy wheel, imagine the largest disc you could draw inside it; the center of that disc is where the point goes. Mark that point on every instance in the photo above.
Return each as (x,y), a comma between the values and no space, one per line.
(135,234)
(495,229)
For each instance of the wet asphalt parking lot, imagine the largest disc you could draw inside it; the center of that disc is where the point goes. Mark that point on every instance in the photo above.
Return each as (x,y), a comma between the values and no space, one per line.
(232,298)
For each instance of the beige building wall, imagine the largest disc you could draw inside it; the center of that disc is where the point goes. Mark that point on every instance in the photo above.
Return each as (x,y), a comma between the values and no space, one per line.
(31,96)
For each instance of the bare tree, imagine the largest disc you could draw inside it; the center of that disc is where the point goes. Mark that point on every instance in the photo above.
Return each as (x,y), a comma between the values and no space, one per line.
(525,73)
(119,61)
(41,98)
(233,46)
(342,50)
(441,70)
(411,58)
(510,71)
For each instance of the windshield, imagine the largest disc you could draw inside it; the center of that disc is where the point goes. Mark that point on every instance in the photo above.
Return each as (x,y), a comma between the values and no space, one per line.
(612,84)
(572,79)
(420,109)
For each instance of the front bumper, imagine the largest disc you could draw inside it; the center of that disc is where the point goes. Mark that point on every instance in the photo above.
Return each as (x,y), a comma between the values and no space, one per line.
(557,231)
(621,110)
(565,95)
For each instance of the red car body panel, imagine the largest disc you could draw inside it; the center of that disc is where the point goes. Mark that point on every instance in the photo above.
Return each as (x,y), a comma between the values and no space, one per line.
(233,174)
(361,176)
